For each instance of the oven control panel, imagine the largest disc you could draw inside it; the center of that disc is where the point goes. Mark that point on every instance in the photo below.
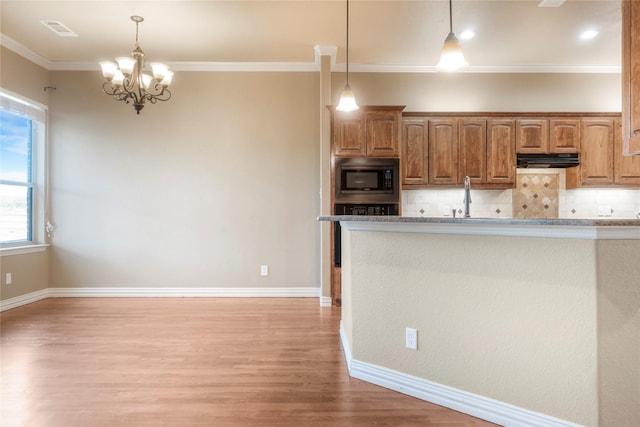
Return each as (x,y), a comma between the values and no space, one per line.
(366,209)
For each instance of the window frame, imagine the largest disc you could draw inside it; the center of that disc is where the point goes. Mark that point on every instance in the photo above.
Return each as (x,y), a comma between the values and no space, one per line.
(39,218)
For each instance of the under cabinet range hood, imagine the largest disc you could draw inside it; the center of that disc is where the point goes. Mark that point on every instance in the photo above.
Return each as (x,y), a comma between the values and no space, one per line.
(554,160)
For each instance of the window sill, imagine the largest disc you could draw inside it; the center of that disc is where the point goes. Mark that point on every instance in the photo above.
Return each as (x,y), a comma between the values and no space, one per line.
(20,250)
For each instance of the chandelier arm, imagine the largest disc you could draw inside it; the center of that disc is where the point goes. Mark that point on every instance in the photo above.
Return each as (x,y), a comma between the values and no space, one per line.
(129,83)
(116,92)
(109,89)
(165,95)
(127,90)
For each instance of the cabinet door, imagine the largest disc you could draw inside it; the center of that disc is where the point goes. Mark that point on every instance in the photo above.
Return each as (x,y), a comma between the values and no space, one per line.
(564,136)
(596,159)
(382,134)
(348,134)
(532,136)
(501,152)
(631,76)
(443,151)
(414,151)
(472,150)
(626,168)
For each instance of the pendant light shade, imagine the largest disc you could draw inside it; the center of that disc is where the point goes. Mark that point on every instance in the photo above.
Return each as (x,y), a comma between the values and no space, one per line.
(451,58)
(347,99)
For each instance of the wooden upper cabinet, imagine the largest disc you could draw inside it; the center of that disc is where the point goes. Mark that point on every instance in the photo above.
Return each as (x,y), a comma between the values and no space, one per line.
(596,158)
(348,134)
(415,140)
(367,132)
(440,149)
(564,135)
(382,133)
(626,168)
(472,150)
(555,135)
(631,76)
(501,152)
(443,151)
(532,135)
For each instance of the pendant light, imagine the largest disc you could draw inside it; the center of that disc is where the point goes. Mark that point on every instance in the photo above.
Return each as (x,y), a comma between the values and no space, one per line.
(451,58)
(347,100)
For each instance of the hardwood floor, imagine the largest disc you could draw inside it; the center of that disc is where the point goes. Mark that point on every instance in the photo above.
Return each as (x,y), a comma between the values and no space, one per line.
(142,362)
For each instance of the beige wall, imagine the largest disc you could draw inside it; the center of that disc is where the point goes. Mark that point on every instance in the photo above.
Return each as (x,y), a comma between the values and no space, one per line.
(500,327)
(486,92)
(544,324)
(29,272)
(619,332)
(23,77)
(195,192)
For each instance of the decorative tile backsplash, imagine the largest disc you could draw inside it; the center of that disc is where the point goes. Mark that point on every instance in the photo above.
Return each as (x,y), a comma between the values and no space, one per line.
(545,196)
(536,195)
(440,203)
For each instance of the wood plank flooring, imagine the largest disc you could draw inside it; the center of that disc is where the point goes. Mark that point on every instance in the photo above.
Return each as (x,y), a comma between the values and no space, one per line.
(154,362)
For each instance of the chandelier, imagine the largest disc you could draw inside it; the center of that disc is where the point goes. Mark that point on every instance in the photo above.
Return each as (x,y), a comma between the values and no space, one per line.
(126,81)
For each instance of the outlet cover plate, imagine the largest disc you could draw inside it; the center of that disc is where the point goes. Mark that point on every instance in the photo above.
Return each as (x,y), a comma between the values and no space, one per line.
(411,338)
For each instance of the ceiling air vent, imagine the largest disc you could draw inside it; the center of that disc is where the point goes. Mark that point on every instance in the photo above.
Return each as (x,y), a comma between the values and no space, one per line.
(59,28)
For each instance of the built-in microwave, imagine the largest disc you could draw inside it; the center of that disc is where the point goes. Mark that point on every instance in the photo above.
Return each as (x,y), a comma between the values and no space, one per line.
(363,179)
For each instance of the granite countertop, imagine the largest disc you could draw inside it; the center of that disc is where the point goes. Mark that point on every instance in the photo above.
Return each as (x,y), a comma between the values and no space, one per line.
(487,221)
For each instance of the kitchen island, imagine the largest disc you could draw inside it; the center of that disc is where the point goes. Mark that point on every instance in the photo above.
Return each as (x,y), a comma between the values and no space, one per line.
(520,322)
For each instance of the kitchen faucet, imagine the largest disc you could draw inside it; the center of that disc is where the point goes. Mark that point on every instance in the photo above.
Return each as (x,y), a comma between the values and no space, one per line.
(467,196)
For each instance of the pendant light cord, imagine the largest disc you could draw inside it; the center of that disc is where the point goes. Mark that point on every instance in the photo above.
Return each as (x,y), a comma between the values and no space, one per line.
(450,17)
(347,42)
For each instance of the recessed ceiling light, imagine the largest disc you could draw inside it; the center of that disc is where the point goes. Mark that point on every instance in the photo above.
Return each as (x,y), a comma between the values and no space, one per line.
(551,3)
(589,34)
(467,34)
(59,28)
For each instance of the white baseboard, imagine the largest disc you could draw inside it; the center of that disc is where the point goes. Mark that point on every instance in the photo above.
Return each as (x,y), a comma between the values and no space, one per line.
(300,292)
(468,403)
(325,301)
(23,299)
(345,347)
(120,292)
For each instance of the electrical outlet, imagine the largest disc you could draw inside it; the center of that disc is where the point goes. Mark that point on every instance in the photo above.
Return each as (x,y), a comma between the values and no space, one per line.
(411,338)
(264,270)
(604,211)
(7,278)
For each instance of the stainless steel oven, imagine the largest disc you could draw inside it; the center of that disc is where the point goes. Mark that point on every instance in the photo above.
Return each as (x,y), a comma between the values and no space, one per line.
(356,209)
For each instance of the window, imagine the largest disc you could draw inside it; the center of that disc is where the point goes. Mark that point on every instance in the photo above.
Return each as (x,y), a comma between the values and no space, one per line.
(22,186)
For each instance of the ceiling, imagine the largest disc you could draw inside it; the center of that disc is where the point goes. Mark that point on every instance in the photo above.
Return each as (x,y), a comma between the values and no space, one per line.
(391,35)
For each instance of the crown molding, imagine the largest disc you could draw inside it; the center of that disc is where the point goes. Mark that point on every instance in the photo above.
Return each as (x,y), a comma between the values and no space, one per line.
(23,51)
(479,69)
(319,51)
(204,66)
(305,67)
